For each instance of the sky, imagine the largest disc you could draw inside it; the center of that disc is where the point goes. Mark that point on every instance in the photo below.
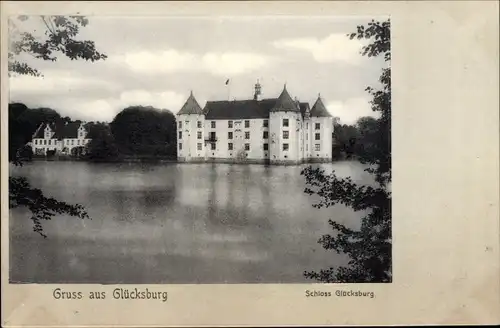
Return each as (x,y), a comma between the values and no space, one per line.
(158,61)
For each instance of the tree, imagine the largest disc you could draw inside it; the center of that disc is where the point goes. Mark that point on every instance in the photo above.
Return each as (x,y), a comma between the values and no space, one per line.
(102,145)
(145,131)
(366,142)
(59,39)
(345,137)
(370,248)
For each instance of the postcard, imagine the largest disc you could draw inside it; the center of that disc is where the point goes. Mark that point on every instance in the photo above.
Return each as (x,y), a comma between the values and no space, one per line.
(250,163)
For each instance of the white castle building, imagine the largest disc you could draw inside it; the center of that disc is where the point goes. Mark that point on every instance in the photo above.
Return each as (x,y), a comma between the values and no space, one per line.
(277,131)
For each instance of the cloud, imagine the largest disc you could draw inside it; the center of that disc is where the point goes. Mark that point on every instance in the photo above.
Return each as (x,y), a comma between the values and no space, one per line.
(172,60)
(168,99)
(334,48)
(58,82)
(104,108)
(350,110)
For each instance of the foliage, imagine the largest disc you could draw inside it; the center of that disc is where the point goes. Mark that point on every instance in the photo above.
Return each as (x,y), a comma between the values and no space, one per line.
(41,207)
(60,38)
(102,145)
(346,137)
(140,131)
(353,141)
(369,248)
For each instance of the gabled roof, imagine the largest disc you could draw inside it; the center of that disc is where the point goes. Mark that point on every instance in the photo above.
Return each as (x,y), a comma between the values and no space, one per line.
(69,130)
(61,130)
(285,103)
(40,131)
(319,109)
(191,106)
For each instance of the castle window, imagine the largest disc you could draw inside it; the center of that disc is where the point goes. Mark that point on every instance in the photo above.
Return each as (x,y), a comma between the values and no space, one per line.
(317,126)
(212,146)
(180,135)
(285,122)
(180,146)
(230,135)
(307,125)
(199,146)
(266,123)
(307,136)
(199,134)
(212,124)
(230,146)
(247,146)
(199,124)
(213,136)
(266,146)
(317,136)
(247,123)
(317,147)
(285,146)
(179,124)
(265,135)
(307,147)
(72,142)
(45,142)
(285,134)
(247,135)
(36,142)
(230,124)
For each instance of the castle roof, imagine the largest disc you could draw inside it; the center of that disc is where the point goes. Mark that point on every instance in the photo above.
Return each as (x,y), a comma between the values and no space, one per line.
(285,103)
(191,106)
(244,109)
(319,109)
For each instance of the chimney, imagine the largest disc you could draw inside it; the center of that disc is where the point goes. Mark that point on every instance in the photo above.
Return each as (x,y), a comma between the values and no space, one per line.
(258,92)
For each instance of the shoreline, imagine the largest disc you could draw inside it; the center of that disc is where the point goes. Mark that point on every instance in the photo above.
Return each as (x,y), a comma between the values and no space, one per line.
(175,161)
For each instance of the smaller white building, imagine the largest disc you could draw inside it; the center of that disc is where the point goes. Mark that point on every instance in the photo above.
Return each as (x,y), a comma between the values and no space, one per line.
(66,139)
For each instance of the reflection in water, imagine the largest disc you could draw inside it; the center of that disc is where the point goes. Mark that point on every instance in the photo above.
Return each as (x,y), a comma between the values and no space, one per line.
(177,223)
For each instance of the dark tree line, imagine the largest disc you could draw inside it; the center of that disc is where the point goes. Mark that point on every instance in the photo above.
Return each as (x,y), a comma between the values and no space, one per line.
(141,132)
(350,141)
(144,131)
(370,247)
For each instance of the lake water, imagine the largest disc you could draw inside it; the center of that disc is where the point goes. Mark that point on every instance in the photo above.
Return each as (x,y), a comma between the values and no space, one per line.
(176,223)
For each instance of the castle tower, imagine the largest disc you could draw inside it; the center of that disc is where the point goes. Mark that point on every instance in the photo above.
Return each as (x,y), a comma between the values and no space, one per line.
(321,130)
(190,131)
(284,130)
